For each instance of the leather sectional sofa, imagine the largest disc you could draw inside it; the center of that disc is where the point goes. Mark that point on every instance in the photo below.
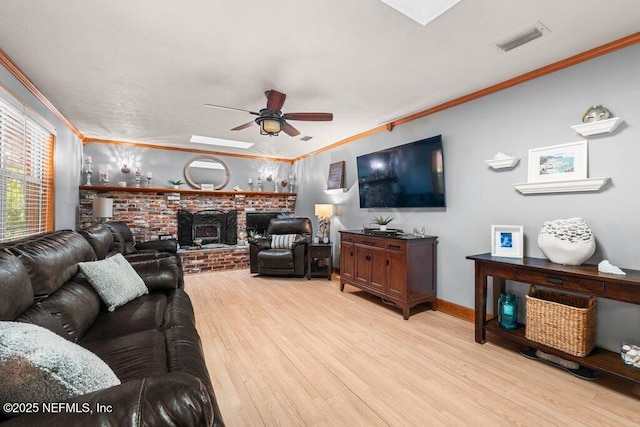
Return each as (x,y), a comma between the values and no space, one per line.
(150,343)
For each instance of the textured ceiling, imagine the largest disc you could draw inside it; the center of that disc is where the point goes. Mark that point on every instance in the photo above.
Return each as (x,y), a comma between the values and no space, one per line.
(142,70)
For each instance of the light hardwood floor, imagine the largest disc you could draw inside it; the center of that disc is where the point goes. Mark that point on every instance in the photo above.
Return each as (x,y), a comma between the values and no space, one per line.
(297,352)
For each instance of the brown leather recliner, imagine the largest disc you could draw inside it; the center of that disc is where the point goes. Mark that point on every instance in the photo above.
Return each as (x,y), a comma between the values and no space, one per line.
(281,260)
(124,243)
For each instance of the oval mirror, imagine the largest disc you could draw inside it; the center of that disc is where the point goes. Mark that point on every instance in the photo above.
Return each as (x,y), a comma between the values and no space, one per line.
(206,173)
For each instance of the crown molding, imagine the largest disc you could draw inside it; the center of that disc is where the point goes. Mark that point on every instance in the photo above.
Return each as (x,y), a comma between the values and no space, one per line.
(548,69)
(86,141)
(18,74)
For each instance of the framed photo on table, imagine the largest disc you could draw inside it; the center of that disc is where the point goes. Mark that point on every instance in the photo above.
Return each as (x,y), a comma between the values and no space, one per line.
(564,162)
(507,241)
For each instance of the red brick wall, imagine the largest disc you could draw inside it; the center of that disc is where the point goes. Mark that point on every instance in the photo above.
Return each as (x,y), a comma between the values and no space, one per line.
(151,214)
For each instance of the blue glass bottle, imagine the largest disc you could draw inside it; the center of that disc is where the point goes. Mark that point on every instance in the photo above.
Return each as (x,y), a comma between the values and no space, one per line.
(508,311)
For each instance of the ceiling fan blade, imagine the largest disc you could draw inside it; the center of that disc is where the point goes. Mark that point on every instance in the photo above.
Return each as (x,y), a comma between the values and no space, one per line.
(290,130)
(275,99)
(232,109)
(244,126)
(309,117)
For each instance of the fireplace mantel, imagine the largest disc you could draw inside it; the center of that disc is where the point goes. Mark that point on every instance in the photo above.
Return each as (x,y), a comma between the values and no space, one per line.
(163,190)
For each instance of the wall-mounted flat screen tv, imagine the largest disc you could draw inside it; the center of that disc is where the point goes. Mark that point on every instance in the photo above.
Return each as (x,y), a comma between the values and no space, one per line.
(407,176)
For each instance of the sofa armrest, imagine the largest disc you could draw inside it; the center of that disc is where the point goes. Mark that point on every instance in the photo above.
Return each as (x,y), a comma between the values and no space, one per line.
(260,243)
(173,399)
(169,245)
(160,271)
(301,240)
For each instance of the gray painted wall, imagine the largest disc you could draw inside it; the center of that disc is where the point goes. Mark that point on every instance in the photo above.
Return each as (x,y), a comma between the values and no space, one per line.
(535,114)
(169,164)
(68,149)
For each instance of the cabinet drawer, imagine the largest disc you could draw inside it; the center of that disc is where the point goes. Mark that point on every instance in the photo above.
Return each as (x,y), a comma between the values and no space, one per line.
(346,238)
(561,281)
(396,246)
(376,243)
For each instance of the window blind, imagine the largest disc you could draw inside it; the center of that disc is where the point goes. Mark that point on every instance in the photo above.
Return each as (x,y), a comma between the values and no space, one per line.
(26,174)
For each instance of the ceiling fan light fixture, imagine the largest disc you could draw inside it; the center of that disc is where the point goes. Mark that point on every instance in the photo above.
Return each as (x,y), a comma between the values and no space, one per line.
(270,126)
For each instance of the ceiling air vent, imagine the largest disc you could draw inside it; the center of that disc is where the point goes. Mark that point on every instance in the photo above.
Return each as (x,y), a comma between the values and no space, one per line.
(306,138)
(522,38)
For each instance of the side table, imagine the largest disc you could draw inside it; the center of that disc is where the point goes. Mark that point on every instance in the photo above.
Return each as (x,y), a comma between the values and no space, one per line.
(319,260)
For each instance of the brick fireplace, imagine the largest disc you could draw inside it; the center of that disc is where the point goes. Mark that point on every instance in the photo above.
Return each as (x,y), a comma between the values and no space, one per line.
(207,227)
(154,212)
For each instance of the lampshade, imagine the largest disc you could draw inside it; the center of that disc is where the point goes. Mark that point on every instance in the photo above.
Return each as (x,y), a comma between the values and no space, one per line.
(324,210)
(270,127)
(102,207)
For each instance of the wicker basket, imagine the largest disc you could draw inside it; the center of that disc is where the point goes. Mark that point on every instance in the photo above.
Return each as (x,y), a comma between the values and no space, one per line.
(561,321)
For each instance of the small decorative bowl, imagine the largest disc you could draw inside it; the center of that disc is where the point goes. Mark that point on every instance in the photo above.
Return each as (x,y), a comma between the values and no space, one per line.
(630,354)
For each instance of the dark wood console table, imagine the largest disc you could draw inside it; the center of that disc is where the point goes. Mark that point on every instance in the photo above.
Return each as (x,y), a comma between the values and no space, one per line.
(584,279)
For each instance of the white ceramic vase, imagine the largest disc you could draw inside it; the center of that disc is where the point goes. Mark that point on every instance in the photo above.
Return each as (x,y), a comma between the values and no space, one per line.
(567,241)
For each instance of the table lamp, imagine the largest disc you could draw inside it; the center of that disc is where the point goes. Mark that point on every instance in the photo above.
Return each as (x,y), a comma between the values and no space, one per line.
(102,208)
(324,212)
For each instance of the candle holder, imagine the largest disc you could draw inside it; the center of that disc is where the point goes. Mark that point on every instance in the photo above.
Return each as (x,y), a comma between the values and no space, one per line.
(138,176)
(88,170)
(149,182)
(250,182)
(259,184)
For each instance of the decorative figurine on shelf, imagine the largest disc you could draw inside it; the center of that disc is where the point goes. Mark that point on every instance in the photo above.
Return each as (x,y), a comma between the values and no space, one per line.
(149,178)
(284,183)
(259,184)
(103,176)
(291,183)
(138,176)
(87,169)
(595,114)
(250,182)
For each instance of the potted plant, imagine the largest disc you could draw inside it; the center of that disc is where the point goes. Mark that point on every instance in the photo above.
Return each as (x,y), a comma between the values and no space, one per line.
(176,183)
(382,222)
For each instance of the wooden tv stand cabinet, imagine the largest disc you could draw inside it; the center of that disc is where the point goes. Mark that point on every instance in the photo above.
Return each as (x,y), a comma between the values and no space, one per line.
(400,269)
(584,279)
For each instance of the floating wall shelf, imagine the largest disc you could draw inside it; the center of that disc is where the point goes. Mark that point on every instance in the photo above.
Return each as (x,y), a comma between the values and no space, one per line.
(595,128)
(336,190)
(589,184)
(508,162)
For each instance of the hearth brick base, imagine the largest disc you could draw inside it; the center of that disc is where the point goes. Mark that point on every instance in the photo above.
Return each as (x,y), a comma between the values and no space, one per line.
(202,260)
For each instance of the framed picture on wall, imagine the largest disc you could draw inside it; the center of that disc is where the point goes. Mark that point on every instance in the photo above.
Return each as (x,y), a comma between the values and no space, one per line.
(336,176)
(564,162)
(507,241)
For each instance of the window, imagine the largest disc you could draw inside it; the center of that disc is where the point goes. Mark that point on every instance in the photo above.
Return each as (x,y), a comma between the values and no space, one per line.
(26,173)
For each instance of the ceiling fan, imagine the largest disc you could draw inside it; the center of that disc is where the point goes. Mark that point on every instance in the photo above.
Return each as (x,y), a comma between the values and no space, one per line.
(272,121)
